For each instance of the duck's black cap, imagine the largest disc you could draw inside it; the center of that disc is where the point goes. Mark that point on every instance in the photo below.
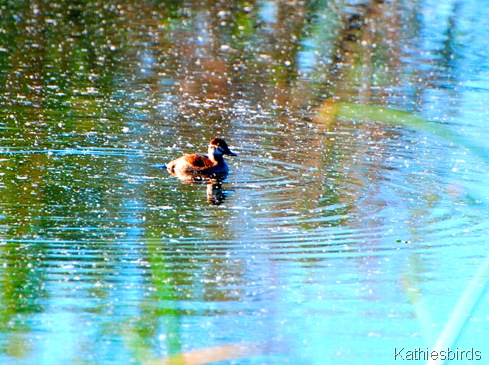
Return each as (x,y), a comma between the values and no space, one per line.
(219,142)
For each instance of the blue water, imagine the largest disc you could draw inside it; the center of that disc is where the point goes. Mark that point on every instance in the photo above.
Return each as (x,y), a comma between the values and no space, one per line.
(333,240)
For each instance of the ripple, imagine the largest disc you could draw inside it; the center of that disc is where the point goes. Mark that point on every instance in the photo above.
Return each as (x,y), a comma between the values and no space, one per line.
(92,151)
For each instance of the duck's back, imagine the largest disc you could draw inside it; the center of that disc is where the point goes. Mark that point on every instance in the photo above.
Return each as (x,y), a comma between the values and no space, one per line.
(189,163)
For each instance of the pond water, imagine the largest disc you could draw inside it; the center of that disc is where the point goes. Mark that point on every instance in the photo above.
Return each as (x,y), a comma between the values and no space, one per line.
(354,220)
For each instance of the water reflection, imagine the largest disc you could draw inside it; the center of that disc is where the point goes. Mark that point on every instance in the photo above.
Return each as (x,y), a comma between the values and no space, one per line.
(215,194)
(333,214)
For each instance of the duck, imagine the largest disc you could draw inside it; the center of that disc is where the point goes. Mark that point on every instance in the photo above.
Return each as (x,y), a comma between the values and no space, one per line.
(198,166)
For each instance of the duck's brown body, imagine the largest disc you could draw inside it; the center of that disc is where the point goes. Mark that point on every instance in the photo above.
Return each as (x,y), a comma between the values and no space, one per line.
(198,164)
(202,166)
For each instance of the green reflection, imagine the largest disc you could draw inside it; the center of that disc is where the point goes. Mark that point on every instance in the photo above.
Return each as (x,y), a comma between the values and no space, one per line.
(93,92)
(164,287)
(23,293)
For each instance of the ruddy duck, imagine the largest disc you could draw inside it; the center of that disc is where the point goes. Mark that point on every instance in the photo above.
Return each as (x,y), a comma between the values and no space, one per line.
(202,166)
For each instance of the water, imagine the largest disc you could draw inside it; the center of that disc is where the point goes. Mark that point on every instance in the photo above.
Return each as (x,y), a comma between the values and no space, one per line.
(333,240)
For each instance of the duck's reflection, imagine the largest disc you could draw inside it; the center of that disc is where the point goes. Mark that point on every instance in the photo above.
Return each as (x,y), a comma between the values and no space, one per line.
(216,195)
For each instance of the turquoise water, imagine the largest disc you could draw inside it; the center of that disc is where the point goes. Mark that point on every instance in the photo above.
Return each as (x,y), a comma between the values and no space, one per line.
(340,235)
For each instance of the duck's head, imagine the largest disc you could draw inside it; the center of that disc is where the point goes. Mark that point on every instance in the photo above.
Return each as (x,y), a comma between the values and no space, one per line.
(219,147)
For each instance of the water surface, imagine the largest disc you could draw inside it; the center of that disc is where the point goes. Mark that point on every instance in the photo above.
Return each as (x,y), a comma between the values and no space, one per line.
(337,237)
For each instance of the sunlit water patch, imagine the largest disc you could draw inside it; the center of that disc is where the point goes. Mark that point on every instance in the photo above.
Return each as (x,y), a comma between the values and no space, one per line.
(353,218)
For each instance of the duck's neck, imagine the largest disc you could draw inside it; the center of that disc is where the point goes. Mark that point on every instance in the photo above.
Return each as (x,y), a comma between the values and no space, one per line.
(217,158)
